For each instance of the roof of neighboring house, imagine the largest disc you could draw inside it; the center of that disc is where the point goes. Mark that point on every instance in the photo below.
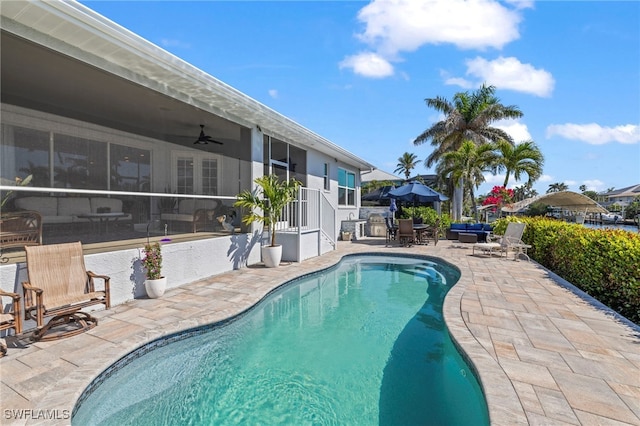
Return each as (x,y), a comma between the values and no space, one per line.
(378,175)
(629,191)
(141,88)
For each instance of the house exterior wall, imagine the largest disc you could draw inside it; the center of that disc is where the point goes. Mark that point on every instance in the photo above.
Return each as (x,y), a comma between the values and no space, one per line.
(182,263)
(315,181)
(138,96)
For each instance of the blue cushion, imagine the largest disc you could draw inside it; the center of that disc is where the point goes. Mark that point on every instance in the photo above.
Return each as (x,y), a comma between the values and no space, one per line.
(488,227)
(475,227)
(459,226)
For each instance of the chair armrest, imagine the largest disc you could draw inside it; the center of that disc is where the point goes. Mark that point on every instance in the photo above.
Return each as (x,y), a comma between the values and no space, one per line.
(28,297)
(14,296)
(93,275)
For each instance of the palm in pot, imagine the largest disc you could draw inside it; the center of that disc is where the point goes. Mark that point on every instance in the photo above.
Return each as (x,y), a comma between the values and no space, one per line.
(266,202)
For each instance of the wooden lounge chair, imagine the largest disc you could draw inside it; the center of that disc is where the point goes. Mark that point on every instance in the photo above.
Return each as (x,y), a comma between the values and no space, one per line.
(11,319)
(59,286)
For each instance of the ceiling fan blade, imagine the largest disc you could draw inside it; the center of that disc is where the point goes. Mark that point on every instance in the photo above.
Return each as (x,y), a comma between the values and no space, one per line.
(209,139)
(205,139)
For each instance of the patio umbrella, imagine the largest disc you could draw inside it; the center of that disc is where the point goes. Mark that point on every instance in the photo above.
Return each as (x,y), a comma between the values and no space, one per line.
(416,192)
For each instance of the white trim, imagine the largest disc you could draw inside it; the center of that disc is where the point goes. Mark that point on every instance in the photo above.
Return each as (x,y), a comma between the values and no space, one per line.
(197,157)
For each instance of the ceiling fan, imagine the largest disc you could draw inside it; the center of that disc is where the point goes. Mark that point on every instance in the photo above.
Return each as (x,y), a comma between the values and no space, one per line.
(205,139)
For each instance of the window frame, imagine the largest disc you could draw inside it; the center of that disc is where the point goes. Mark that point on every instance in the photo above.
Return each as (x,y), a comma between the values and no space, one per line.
(346,188)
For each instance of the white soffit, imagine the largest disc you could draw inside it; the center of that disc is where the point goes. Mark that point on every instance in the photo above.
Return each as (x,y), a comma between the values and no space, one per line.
(79,32)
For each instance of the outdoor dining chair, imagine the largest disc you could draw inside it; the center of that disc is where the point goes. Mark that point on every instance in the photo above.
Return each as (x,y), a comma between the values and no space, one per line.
(406,233)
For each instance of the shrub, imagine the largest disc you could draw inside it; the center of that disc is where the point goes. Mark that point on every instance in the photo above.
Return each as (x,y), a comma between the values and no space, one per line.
(603,263)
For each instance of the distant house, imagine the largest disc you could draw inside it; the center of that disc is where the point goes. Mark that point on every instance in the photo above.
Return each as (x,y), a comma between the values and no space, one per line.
(127,142)
(377,175)
(621,197)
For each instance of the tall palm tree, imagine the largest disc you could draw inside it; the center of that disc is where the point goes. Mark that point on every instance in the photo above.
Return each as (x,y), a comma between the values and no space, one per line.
(406,163)
(468,116)
(524,157)
(557,187)
(468,164)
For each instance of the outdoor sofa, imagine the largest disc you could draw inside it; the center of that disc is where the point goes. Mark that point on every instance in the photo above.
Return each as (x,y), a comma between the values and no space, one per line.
(68,210)
(481,230)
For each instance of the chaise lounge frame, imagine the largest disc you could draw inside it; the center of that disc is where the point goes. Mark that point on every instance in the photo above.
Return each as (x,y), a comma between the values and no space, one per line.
(59,286)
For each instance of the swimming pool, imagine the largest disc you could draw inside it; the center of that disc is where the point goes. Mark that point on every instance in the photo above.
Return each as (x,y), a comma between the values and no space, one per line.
(363,342)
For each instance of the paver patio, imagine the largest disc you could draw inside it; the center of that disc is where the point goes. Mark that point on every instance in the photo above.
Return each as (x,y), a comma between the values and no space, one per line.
(544,355)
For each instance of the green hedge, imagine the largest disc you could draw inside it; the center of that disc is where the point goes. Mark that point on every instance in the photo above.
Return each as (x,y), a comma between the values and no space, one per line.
(603,263)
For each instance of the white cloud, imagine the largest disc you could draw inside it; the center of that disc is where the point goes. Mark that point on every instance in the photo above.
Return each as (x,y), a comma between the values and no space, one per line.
(546,178)
(508,73)
(457,81)
(493,179)
(594,134)
(273,93)
(518,131)
(368,64)
(594,185)
(395,26)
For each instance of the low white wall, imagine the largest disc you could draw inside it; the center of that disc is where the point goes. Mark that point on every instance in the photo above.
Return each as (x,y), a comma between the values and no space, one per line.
(183,262)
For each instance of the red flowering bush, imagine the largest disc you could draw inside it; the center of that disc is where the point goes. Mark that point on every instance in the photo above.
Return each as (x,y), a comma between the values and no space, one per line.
(499,196)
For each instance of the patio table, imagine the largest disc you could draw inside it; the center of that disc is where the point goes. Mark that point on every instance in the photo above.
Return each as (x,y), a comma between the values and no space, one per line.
(102,218)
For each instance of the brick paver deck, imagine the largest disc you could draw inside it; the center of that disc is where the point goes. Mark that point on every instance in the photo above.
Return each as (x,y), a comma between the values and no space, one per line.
(544,355)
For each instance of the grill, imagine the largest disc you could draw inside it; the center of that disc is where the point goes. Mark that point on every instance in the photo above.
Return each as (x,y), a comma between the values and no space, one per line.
(377,225)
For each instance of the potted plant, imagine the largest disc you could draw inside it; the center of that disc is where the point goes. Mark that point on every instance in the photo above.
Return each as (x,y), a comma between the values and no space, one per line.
(18,182)
(156,283)
(265,205)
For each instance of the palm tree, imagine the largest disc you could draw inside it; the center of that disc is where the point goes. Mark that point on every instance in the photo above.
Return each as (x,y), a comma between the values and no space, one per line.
(406,163)
(467,117)
(557,187)
(524,191)
(517,159)
(468,164)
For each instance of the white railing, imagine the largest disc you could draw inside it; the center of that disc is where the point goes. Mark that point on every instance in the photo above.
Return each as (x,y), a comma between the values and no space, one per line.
(303,214)
(310,212)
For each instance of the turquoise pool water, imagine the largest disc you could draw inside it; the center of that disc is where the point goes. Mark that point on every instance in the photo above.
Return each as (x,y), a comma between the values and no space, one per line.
(362,343)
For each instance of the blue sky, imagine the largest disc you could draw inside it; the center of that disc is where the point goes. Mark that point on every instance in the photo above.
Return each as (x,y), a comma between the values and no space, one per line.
(357,73)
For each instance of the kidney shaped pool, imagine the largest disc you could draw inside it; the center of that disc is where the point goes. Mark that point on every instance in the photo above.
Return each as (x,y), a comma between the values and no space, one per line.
(360,343)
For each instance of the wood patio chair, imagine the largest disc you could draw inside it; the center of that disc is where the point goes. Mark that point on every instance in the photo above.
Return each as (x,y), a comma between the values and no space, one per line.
(406,233)
(59,286)
(11,319)
(391,230)
(19,229)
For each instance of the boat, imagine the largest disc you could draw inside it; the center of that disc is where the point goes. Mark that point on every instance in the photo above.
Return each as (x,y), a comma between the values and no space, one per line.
(611,218)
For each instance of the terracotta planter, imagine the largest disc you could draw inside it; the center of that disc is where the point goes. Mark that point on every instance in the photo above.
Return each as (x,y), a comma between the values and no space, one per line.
(271,256)
(155,288)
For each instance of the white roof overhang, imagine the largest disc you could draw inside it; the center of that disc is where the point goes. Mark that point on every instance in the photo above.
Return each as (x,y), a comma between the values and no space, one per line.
(75,31)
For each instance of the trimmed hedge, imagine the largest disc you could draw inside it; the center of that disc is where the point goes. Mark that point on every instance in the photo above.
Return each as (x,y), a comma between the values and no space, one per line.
(601,262)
